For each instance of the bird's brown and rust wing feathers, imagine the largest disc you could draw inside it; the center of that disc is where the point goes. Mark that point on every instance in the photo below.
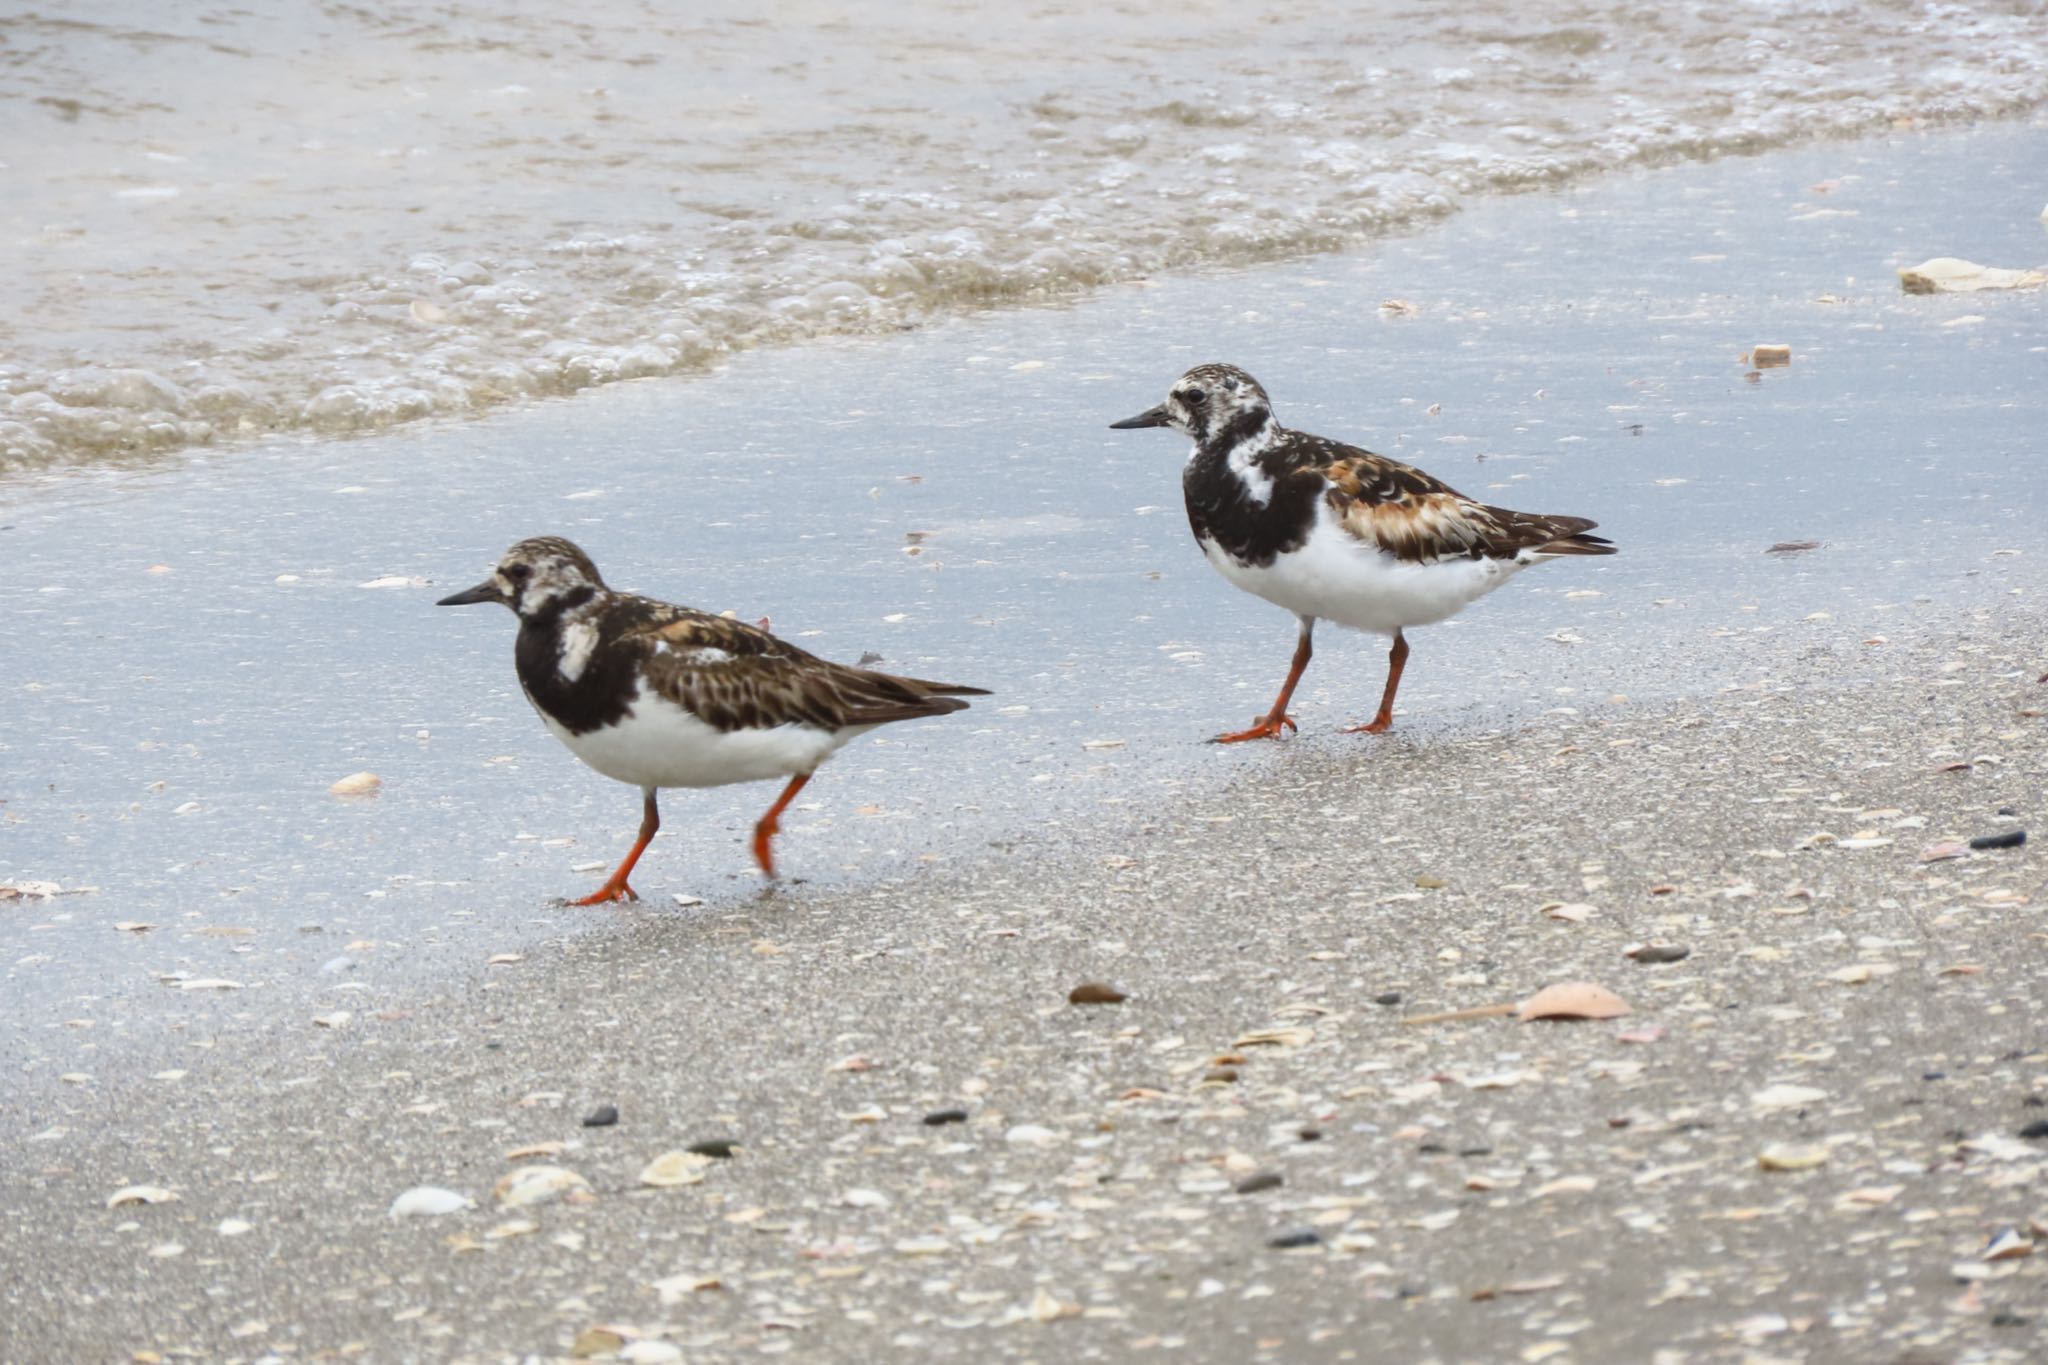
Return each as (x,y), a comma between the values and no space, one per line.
(1418,518)
(735,676)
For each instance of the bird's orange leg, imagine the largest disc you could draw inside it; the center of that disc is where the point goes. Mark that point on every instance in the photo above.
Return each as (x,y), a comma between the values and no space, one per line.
(1277,721)
(771,824)
(1397,659)
(616,889)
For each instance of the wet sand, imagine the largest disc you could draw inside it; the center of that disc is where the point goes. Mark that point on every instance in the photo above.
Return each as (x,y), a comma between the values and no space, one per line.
(1484,1190)
(1697,717)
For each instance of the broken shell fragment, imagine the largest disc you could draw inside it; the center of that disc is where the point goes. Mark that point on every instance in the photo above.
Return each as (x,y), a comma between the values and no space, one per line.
(357,784)
(672,1169)
(537,1185)
(140,1194)
(1792,1156)
(1572,1000)
(1953,275)
(1769,357)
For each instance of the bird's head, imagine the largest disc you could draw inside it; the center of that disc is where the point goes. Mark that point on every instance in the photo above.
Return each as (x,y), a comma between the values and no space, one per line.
(1208,403)
(536,577)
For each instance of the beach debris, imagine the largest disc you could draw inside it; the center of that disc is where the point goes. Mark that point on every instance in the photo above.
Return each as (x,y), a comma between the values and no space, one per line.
(1294,1238)
(1793,547)
(1768,357)
(2037,1129)
(394,581)
(1786,1097)
(1657,952)
(141,1194)
(672,1169)
(1264,1180)
(1571,912)
(1792,1156)
(719,1149)
(862,1198)
(1953,275)
(2010,839)
(235,1227)
(604,1116)
(1104,743)
(202,983)
(534,1149)
(1095,993)
(40,891)
(1944,851)
(1046,1307)
(1398,308)
(1572,1000)
(1031,1135)
(539,1185)
(1295,1036)
(356,784)
(1474,1012)
(938,1118)
(2007,1244)
(429,1201)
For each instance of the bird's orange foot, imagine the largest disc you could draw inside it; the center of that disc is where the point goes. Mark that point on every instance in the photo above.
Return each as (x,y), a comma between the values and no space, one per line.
(610,891)
(1371,727)
(1272,727)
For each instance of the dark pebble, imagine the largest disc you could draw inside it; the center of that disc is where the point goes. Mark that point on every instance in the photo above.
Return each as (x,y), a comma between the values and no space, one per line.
(1433,1149)
(722,1148)
(1934,1075)
(2037,1129)
(2012,838)
(1295,1237)
(2005,1317)
(1387,998)
(1096,993)
(1223,1074)
(1662,952)
(2034,1102)
(604,1116)
(938,1118)
(1311,1135)
(1475,1151)
(2007,810)
(1264,1180)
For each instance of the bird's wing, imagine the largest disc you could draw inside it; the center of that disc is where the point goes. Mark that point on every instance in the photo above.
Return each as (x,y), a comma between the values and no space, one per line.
(734,676)
(1419,518)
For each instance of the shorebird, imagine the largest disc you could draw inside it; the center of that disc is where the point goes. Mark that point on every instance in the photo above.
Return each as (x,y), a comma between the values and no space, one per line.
(656,695)
(1332,532)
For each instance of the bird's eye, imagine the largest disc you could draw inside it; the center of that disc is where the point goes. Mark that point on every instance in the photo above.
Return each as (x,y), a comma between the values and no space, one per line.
(1195,397)
(518,573)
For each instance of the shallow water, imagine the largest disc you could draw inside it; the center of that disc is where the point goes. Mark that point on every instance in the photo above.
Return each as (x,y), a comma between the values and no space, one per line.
(195,655)
(302,216)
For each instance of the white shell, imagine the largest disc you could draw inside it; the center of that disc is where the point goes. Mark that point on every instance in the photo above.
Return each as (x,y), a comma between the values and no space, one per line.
(428,1201)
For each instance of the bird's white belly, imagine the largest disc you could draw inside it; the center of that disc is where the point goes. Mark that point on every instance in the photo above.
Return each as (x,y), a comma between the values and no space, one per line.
(1336,577)
(659,744)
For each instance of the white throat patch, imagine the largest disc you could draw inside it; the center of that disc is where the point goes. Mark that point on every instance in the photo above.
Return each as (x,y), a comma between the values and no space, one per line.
(579,641)
(1243,461)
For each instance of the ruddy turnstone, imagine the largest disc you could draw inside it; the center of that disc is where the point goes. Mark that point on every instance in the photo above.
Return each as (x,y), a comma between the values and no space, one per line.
(658,695)
(1331,532)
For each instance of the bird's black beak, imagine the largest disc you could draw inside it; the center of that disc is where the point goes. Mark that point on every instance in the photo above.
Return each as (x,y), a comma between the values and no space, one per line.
(486,591)
(1150,417)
